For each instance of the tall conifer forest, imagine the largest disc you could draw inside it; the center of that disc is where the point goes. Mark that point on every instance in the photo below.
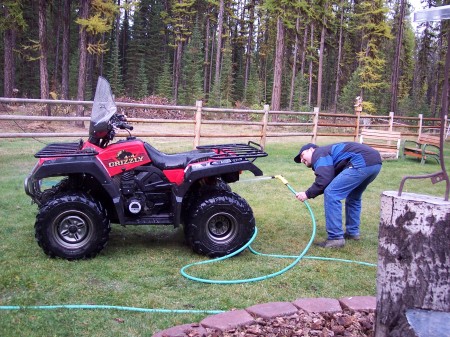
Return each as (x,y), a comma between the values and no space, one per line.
(290,54)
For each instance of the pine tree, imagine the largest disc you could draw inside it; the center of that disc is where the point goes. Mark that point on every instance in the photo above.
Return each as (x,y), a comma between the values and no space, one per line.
(227,77)
(142,82)
(192,86)
(114,71)
(350,92)
(10,23)
(301,94)
(254,92)
(164,83)
(372,24)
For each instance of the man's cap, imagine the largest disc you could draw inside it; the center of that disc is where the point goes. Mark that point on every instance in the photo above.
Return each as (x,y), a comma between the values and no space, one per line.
(297,158)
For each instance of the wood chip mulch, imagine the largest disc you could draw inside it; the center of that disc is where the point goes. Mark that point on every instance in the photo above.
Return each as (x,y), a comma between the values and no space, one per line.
(302,324)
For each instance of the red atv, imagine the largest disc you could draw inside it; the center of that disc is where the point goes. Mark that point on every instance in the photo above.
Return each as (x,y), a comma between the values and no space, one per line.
(131,183)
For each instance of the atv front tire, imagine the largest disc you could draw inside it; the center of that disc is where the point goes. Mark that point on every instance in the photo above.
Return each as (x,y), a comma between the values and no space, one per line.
(220,223)
(72,226)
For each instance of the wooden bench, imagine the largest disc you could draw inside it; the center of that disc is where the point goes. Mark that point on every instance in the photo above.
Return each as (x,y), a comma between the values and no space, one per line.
(426,146)
(384,141)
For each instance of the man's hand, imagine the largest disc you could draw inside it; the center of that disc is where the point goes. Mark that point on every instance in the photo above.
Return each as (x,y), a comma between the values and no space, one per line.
(301,196)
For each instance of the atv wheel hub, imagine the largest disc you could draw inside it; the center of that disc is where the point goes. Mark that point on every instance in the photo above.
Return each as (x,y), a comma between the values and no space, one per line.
(221,226)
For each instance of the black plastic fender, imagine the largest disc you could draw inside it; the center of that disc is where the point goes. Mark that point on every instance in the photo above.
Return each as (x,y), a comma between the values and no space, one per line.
(64,166)
(208,169)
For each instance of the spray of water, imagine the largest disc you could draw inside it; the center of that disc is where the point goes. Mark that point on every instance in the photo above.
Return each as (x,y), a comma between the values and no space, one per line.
(252,180)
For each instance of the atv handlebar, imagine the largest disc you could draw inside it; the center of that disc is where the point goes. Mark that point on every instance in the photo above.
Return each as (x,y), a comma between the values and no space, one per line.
(120,122)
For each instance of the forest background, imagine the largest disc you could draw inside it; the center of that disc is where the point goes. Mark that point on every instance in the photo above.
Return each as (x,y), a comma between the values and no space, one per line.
(291,54)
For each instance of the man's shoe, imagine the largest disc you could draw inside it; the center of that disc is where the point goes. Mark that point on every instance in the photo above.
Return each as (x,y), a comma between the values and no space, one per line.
(338,243)
(351,237)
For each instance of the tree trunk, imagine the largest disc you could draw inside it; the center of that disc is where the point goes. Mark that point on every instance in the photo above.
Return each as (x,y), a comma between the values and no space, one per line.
(219,41)
(413,258)
(84,12)
(338,68)
(8,67)
(396,63)
(65,50)
(206,59)
(248,54)
(177,69)
(278,66)
(311,66)
(320,70)
(43,53)
(294,65)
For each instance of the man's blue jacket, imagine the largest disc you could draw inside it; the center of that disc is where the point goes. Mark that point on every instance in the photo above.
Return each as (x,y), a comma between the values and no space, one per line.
(330,160)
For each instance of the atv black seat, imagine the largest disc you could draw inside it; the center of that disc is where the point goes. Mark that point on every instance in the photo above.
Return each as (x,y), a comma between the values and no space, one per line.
(165,161)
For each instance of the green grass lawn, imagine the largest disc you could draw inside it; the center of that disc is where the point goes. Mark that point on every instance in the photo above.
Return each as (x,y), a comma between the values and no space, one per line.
(140,265)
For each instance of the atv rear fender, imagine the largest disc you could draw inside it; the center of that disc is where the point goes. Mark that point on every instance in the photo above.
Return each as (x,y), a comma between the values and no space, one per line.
(227,169)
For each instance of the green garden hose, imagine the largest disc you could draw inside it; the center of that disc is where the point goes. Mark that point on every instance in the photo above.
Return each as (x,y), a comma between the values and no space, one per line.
(296,258)
(183,272)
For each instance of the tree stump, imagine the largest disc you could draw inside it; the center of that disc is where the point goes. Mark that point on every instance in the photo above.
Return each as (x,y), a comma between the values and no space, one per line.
(413,260)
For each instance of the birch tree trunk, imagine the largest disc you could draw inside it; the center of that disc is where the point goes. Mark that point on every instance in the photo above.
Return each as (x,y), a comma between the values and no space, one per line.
(413,260)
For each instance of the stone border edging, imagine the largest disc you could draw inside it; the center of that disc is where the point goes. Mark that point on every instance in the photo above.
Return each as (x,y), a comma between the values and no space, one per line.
(238,318)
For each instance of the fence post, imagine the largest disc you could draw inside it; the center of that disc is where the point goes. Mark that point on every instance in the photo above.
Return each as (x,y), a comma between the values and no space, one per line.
(447,126)
(358,110)
(198,123)
(265,121)
(420,124)
(391,120)
(316,123)
(358,123)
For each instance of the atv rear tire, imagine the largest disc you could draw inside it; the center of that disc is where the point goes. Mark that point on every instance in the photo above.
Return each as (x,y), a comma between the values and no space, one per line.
(72,226)
(219,224)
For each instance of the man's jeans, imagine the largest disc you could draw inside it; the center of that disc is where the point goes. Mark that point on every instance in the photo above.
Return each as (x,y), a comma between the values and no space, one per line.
(349,185)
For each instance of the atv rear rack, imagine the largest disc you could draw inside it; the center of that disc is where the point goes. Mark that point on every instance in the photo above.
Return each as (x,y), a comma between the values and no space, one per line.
(65,150)
(235,151)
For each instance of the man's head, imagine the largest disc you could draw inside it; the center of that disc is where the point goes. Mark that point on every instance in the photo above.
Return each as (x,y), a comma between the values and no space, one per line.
(305,154)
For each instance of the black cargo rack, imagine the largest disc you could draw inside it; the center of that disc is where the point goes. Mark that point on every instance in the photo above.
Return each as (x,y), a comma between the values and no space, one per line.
(235,151)
(65,150)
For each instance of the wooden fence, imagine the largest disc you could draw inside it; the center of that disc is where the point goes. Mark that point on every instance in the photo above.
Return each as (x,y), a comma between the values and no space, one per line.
(201,122)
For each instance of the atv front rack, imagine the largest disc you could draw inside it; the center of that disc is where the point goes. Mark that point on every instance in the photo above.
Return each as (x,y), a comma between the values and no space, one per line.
(65,150)
(249,151)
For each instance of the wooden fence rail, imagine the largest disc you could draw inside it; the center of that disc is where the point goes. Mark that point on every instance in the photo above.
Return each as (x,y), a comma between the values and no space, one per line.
(208,122)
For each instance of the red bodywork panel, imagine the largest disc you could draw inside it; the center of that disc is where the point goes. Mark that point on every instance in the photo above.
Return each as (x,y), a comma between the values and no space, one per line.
(175,176)
(122,156)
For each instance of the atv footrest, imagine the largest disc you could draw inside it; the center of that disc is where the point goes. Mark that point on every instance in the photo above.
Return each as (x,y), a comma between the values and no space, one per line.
(64,150)
(235,151)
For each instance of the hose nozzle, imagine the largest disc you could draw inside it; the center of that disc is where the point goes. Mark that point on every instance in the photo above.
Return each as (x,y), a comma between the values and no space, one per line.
(283,179)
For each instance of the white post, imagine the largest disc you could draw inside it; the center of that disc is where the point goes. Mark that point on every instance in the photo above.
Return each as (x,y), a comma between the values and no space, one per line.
(265,122)
(420,124)
(316,122)
(198,123)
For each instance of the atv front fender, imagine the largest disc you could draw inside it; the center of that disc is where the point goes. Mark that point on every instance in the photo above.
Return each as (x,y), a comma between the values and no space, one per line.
(66,166)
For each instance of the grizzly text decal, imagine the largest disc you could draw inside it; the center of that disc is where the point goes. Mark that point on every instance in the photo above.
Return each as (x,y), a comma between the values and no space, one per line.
(124,157)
